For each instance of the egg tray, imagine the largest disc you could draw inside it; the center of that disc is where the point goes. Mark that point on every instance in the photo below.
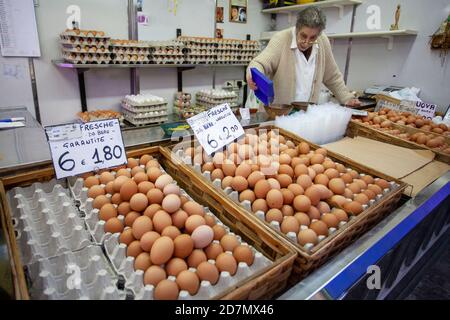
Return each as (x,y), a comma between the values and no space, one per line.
(80,275)
(147,103)
(234,195)
(144,115)
(45,224)
(168,60)
(120,59)
(145,121)
(84,49)
(311,257)
(82,33)
(145,109)
(80,58)
(209,101)
(130,50)
(183,96)
(182,104)
(208,106)
(86,42)
(134,279)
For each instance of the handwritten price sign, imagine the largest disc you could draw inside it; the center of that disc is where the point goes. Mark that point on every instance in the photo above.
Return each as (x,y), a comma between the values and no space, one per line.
(79,148)
(216,128)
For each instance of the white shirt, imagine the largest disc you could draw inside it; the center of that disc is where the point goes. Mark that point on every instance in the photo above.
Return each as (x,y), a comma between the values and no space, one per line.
(304,70)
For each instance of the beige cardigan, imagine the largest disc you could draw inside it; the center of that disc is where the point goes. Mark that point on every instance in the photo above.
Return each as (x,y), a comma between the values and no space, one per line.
(278,62)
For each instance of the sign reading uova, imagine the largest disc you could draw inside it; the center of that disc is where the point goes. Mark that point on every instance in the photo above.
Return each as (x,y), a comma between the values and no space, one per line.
(426,110)
(78,148)
(216,128)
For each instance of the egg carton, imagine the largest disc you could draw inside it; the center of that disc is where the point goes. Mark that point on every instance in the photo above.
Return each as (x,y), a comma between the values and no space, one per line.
(145,121)
(84,274)
(145,109)
(144,100)
(85,42)
(83,33)
(184,96)
(130,59)
(144,115)
(130,50)
(85,49)
(168,60)
(89,58)
(182,104)
(134,279)
(46,228)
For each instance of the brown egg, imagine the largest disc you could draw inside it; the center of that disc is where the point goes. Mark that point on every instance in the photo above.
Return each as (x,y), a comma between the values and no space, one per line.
(183,246)
(274,199)
(302,218)
(295,189)
(161,220)
(139,202)
(219,232)
(286,169)
(274,215)
(113,225)
(321,179)
(179,219)
(347,178)
(91,181)
(338,200)
(353,207)
(126,237)
(368,179)
(175,266)
(247,195)
(107,212)
(290,224)
(348,193)
(315,169)
(383,184)
(189,281)
(153,174)
(118,182)
(313,213)
(136,170)
(317,159)
(303,148)
(285,159)
(96,191)
(145,186)
(213,250)
(226,262)
(123,172)
(340,214)
(151,210)
(130,218)
(375,188)
(228,168)
(217,174)
(99,201)
(274,184)
(171,231)
(163,181)
(208,272)
(124,208)
(304,181)
(319,227)
(229,242)
(141,225)
(362,184)
(154,275)
(340,167)
(171,203)
(142,262)
(321,151)
(302,203)
(134,249)
(330,219)
(155,196)
(329,164)
(194,208)
(262,187)
(307,236)
(210,221)
(162,250)
(370,194)
(106,177)
(337,186)
(354,174)
(354,187)
(244,253)
(260,205)
(148,239)
(239,183)
(300,170)
(226,182)
(361,198)
(243,170)
(209,166)
(144,159)
(166,290)
(323,207)
(196,257)
(109,188)
(132,163)
(254,177)
(152,163)
(331,173)
(287,210)
(284,180)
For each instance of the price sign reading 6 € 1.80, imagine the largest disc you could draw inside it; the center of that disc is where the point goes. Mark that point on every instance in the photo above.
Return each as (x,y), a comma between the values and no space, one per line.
(82,147)
(216,128)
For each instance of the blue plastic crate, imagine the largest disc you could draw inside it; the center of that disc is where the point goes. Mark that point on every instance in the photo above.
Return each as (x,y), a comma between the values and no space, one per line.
(265,91)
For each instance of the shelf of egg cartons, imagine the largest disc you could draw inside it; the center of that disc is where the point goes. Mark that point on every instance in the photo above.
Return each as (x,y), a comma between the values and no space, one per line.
(130,52)
(212,98)
(200,50)
(84,49)
(237,51)
(124,266)
(53,244)
(310,255)
(144,109)
(167,52)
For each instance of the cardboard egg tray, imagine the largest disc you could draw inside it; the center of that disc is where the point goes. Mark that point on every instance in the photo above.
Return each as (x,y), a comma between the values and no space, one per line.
(85,49)
(46,221)
(143,120)
(81,275)
(130,50)
(122,58)
(164,59)
(145,109)
(85,41)
(87,58)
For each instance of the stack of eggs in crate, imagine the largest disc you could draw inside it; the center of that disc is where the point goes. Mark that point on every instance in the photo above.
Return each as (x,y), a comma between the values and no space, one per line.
(130,51)
(85,47)
(144,109)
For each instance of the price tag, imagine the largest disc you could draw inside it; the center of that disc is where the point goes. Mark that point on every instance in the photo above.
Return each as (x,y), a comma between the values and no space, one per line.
(426,110)
(245,113)
(359,113)
(216,127)
(78,148)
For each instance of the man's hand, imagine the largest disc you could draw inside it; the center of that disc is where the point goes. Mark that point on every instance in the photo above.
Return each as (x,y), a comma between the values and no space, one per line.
(251,84)
(354,103)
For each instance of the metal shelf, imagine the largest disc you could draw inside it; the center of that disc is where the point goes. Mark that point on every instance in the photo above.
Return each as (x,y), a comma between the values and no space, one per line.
(63,64)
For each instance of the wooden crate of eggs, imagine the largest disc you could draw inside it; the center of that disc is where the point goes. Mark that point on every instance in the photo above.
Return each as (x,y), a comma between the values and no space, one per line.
(130,51)
(161,241)
(316,200)
(167,52)
(378,127)
(85,47)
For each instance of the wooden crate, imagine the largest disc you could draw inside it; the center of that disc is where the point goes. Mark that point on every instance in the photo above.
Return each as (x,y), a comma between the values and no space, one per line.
(355,129)
(306,262)
(264,285)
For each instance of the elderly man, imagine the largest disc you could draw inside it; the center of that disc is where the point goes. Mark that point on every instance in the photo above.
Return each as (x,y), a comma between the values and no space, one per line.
(299,60)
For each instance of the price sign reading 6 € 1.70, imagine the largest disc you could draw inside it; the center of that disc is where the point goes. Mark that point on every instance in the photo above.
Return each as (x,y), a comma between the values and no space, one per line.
(216,128)
(82,147)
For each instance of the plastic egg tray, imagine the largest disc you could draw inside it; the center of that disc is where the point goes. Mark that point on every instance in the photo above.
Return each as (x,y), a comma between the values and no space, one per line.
(46,221)
(82,275)
(134,279)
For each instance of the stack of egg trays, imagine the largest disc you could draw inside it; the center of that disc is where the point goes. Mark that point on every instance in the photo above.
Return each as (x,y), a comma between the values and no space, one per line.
(133,52)
(206,101)
(85,47)
(234,195)
(46,221)
(182,100)
(168,52)
(81,275)
(200,50)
